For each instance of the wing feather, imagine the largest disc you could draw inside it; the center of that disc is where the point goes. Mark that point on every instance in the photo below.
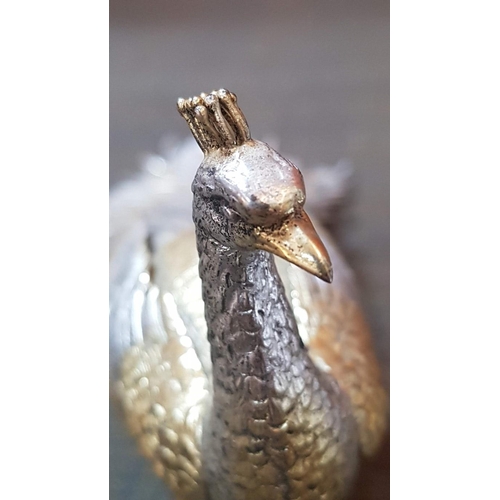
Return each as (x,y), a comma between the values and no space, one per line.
(332,325)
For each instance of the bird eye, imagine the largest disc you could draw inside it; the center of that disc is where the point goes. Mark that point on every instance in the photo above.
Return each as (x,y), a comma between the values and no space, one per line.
(229,213)
(222,206)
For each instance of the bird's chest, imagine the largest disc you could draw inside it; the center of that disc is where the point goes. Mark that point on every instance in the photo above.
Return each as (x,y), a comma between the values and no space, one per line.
(280,439)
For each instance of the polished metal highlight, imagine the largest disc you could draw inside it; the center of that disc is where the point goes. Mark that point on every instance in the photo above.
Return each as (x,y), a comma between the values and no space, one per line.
(247,378)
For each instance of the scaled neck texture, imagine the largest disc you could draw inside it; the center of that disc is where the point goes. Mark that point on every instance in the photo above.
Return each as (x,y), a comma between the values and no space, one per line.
(272,411)
(247,313)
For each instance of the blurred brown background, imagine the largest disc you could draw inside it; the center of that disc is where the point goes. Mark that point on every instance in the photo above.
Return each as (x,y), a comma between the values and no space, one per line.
(314,74)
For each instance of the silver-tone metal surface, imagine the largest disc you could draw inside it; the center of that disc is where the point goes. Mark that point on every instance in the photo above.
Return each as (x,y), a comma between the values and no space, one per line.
(251,383)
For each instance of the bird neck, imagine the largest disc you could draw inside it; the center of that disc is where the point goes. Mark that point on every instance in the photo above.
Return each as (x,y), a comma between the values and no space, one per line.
(271,409)
(251,327)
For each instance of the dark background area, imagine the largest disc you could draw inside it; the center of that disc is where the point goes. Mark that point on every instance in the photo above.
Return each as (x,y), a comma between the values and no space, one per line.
(313,74)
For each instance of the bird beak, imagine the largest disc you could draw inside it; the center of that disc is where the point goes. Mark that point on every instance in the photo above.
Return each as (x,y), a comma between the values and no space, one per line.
(297,242)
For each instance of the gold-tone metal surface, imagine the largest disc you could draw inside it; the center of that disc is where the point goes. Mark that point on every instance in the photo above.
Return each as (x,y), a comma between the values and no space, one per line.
(215,120)
(246,383)
(297,241)
(163,386)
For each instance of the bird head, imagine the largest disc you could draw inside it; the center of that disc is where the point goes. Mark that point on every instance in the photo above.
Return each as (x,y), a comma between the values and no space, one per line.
(246,195)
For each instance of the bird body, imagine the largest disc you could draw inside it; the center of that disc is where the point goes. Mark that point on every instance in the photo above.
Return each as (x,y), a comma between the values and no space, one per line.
(256,382)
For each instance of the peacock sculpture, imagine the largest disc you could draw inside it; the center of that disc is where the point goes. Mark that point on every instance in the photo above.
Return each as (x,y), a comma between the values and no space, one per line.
(240,376)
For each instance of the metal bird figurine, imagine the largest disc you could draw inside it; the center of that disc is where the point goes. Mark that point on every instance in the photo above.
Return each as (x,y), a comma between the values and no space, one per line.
(260,380)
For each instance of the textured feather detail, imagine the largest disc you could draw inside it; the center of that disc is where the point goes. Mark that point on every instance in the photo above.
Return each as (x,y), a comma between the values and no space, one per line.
(333,327)
(159,380)
(159,353)
(154,207)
